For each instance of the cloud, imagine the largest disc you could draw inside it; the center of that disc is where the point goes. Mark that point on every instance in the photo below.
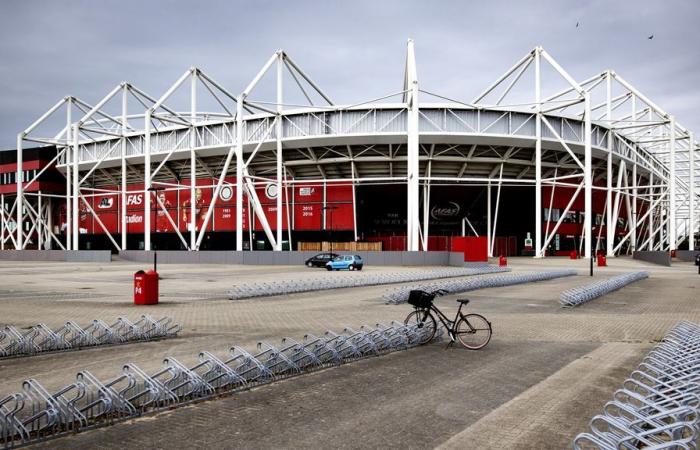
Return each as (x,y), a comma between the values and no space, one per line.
(354,50)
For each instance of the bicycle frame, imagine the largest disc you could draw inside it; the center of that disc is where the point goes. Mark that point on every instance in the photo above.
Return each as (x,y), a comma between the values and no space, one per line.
(444,319)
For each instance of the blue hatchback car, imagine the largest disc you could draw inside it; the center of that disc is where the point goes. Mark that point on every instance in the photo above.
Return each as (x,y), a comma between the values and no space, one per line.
(349,262)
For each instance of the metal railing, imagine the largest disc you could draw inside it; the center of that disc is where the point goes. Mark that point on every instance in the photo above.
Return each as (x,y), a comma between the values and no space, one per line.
(71,336)
(658,406)
(35,414)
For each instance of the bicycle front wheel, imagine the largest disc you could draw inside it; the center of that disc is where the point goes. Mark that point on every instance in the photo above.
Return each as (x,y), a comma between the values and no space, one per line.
(473,331)
(424,322)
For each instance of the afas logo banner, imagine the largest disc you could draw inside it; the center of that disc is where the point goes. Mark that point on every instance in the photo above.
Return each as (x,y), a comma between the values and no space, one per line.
(134,199)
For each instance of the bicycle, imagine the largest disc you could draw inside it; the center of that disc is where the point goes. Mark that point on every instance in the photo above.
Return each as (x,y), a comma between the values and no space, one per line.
(472,330)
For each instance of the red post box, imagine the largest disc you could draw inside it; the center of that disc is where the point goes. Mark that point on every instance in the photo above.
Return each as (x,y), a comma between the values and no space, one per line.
(602,261)
(502,261)
(573,254)
(146,287)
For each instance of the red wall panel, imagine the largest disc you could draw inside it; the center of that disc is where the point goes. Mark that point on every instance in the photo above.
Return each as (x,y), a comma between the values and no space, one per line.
(308,208)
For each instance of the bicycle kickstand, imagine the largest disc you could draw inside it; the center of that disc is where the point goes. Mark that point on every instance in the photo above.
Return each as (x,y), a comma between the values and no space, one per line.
(452,341)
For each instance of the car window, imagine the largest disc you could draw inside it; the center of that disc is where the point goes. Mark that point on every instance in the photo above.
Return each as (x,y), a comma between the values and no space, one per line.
(339,258)
(348,258)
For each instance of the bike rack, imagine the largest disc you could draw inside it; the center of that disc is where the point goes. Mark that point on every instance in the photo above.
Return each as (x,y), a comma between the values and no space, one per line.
(400,295)
(41,339)
(582,294)
(35,414)
(282,287)
(658,406)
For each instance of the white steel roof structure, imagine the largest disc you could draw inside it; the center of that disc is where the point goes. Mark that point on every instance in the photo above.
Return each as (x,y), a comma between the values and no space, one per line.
(599,133)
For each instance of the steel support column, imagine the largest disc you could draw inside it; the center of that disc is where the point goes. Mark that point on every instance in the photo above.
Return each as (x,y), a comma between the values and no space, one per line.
(20,195)
(691,193)
(413,216)
(488,218)
(193,162)
(587,177)
(147,183)
(239,175)
(75,220)
(69,178)
(634,204)
(122,203)
(278,138)
(40,223)
(652,232)
(538,155)
(609,225)
(672,189)
(2,221)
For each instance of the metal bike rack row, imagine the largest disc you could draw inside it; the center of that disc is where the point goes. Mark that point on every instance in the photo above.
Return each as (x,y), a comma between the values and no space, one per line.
(71,336)
(35,414)
(334,281)
(658,406)
(400,295)
(588,292)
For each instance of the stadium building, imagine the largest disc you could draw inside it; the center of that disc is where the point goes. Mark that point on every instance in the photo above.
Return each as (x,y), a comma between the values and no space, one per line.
(538,162)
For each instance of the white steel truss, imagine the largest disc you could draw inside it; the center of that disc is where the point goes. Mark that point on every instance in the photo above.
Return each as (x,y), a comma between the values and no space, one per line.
(599,134)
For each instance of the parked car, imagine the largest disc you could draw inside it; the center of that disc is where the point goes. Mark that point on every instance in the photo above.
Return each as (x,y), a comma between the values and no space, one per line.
(348,262)
(697,260)
(320,260)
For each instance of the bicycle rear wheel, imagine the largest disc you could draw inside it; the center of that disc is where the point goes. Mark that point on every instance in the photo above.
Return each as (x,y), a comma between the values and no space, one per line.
(425,322)
(473,331)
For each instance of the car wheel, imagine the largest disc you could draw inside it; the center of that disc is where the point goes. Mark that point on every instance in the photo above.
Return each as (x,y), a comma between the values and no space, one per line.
(329,268)
(309,264)
(351,267)
(359,267)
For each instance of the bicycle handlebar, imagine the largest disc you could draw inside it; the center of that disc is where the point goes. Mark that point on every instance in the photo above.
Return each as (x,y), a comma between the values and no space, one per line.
(440,292)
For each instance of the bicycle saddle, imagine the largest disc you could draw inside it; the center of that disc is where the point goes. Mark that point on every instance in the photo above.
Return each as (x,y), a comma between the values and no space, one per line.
(463,300)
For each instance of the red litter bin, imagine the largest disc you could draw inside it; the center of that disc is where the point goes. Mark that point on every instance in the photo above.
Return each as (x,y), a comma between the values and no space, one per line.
(573,254)
(146,287)
(602,261)
(502,261)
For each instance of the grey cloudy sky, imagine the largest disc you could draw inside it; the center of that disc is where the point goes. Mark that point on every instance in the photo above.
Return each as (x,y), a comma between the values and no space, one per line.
(355,50)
